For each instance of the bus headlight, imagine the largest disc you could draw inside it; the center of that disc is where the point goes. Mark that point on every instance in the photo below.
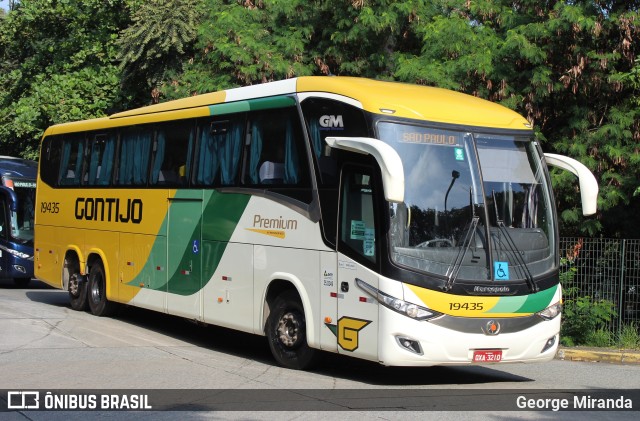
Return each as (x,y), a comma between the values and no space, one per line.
(17,253)
(551,312)
(406,309)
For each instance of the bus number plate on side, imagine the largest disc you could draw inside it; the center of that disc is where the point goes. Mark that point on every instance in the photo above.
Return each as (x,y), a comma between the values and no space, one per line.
(487,356)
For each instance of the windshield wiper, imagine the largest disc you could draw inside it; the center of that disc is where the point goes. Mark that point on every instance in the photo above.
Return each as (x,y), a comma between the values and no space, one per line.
(512,245)
(454,269)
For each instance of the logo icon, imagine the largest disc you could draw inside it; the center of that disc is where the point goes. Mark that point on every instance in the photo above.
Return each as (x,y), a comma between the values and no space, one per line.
(348,331)
(331,121)
(23,400)
(492,328)
(501,271)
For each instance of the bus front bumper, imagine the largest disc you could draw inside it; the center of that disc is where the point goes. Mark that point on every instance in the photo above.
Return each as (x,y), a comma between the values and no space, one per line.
(462,341)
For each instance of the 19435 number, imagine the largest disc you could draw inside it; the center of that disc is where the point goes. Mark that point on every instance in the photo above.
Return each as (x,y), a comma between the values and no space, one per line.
(465,306)
(49,207)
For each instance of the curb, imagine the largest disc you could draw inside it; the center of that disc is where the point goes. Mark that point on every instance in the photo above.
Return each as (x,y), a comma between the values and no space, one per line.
(599,355)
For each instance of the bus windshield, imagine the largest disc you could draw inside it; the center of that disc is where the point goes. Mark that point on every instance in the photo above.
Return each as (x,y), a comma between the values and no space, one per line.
(22,219)
(477,206)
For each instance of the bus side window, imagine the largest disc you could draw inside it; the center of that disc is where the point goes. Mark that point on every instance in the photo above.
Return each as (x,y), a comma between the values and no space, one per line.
(101,159)
(172,152)
(219,151)
(72,160)
(135,152)
(276,151)
(50,160)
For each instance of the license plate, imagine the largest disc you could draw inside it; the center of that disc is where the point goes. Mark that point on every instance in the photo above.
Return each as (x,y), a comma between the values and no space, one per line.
(487,356)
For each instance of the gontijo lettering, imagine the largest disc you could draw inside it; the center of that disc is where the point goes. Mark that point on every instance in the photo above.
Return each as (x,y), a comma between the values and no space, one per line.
(109,209)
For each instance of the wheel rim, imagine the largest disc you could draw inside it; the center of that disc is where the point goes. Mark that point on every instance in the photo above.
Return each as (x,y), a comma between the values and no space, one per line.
(289,330)
(73,285)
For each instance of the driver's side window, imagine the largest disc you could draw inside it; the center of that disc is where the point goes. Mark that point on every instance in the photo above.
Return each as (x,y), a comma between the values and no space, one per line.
(357,216)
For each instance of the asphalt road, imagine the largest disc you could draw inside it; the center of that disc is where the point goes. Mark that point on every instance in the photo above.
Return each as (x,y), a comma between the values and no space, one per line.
(45,345)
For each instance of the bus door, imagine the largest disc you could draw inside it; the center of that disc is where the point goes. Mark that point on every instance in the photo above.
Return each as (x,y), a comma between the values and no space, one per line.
(184,241)
(357,322)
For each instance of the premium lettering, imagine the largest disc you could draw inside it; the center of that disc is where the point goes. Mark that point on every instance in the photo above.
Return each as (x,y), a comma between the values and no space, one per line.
(274,223)
(109,210)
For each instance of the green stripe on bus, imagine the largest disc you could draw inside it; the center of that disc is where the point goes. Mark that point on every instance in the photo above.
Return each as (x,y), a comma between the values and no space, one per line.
(220,213)
(509,304)
(538,301)
(252,105)
(271,102)
(230,108)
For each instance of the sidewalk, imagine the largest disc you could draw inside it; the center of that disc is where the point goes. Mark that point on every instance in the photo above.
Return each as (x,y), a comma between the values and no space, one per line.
(601,355)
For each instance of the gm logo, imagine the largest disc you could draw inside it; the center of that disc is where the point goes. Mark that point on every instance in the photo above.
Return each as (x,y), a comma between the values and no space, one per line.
(331,121)
(23,400)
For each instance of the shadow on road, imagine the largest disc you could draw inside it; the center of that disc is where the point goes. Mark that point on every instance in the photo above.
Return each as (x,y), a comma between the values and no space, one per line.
(254,347)
(8,283)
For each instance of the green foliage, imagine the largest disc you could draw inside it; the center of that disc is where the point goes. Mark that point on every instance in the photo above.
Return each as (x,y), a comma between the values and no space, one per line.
(583,318)
(77,95)
(248,42)
(156,43)
(571,67)
(601,338)
(55,65)
(629,337)
(567,275)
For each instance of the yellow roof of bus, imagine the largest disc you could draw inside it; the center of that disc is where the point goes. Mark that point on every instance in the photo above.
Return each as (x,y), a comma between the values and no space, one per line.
(379,97)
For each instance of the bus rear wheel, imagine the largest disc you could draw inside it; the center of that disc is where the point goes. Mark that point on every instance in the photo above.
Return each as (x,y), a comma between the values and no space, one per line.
(287,333)
(97,293)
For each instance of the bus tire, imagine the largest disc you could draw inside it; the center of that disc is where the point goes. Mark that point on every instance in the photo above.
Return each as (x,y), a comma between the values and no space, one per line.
(287,333)
(78,292)
(97,292)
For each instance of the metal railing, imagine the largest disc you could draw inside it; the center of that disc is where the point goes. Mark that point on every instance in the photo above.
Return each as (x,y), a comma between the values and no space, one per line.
(605,269)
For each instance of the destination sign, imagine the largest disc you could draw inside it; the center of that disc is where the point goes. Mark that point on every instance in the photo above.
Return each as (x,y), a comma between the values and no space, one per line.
(407,133)
(432,137)
(26,184)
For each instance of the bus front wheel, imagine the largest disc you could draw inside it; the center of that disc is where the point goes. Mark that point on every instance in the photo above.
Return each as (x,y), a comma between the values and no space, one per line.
(97,293)
(287,333)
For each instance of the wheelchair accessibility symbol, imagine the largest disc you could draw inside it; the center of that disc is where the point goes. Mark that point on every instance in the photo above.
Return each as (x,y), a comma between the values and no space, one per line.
(501,271)
(196,246)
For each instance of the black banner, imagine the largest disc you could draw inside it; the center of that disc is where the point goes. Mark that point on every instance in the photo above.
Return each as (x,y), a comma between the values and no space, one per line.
(321,400)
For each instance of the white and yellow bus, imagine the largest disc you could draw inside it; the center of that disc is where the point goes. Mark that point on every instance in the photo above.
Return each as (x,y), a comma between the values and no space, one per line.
(402,224)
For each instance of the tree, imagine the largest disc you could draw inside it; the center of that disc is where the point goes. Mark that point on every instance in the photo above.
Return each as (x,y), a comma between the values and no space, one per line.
(559,63)
(246,42)
(56,64)
(153,47)
(570,67)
